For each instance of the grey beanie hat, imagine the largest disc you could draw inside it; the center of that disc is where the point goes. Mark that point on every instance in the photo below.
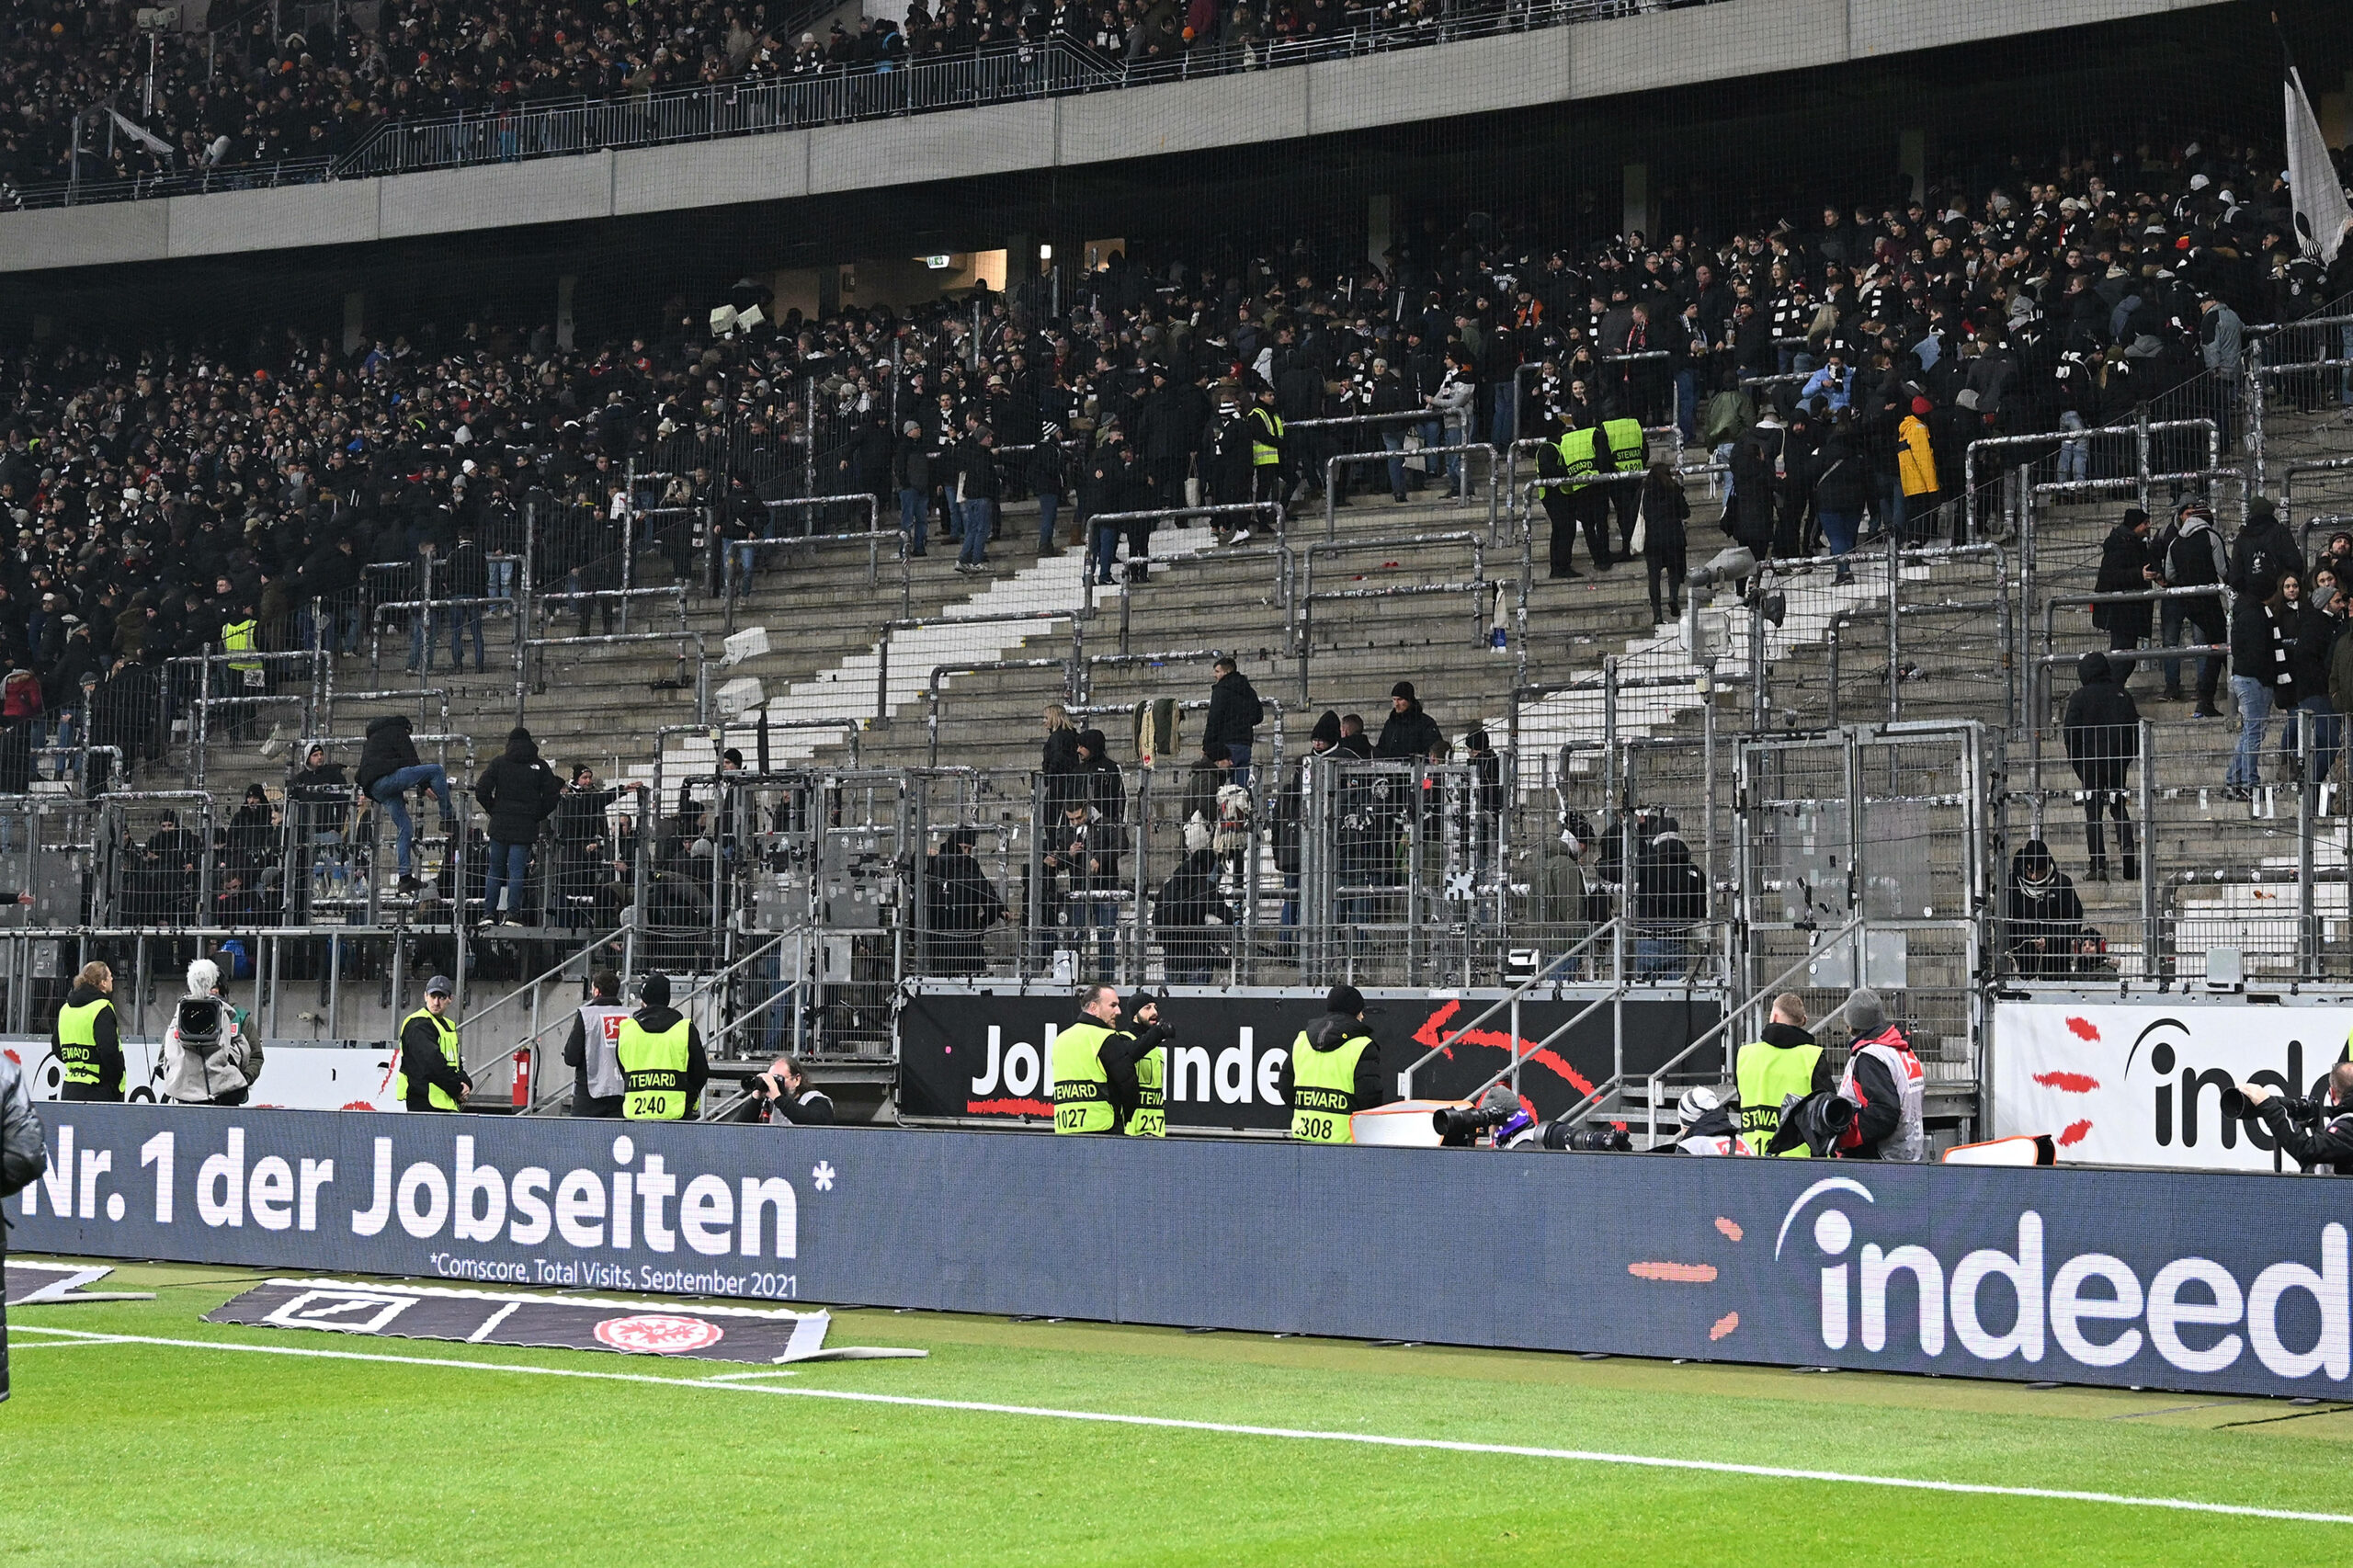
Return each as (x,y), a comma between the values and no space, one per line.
(1865,1014)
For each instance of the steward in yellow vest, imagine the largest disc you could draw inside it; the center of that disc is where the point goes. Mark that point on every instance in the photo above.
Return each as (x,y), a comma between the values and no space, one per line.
(1785,1062)
(1099,1069)
(1332,1073)
(87,1038)
(432,1074)
(663,1063)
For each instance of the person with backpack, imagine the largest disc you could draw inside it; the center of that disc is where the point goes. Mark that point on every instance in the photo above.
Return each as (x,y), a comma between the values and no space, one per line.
(24,1154)
(2195,558)
(207,1057)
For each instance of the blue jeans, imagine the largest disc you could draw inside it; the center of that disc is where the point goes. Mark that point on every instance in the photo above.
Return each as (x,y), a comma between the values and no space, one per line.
(349,638)
(1838,533)
(2328,731)
(1393,438)
(507,865)
(1658,953)
(2255,713)
(391,793)
(1687,404)
(977,518)
(2074,457)
(502,577)
(460,619)
(1107,548)
(1241,756)
(739,564)
(1499,428)
(912,520)
(1048,506)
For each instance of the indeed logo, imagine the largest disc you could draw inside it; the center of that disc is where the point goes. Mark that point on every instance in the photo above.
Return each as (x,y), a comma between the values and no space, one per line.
(2179,1085)
(2098,1309)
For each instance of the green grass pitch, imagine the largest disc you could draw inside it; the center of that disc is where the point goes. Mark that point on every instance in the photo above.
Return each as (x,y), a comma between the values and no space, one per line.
(147,1454)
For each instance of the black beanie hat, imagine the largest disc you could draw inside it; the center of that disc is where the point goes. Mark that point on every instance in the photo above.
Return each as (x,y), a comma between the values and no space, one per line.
(654,989)
(1344,999)
(1403,689)
(1327,729)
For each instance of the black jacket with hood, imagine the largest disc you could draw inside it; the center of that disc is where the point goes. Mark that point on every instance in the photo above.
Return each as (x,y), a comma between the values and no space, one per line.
(2102,725)
(387,750)
(518,791)
(1329,1033)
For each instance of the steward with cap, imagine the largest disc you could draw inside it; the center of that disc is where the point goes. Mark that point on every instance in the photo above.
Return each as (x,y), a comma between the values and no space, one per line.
(1886,1082)
(432,1075)
(87,1038)
(661,1055)
(1334,1071)
(1094,1069)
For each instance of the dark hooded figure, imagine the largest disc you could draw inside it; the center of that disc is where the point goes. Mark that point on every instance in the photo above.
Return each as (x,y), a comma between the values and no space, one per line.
(2042,917)
(519,791)
(2102,726)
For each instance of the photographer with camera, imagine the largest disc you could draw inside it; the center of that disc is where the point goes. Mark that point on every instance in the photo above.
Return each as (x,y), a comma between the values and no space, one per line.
(1333,1072)
(1875,1113)
(1885,1084)
(2316,1134)
(786,1095)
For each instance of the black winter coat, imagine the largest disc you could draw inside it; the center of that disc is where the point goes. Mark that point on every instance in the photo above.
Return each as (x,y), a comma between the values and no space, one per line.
(520,791)
(1408,736)
(2102,725)
(1234,711)
(2122,557)
(388,749)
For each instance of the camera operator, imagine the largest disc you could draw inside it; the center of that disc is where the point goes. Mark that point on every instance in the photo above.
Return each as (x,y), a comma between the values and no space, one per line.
(2317,1134)
(785,1094)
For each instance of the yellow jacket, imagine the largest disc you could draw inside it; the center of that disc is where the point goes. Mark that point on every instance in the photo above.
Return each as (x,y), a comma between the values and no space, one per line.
(1914,459)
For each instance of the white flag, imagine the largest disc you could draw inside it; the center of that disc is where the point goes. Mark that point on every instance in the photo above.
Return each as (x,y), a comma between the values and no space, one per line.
(2321,210)
(142,135)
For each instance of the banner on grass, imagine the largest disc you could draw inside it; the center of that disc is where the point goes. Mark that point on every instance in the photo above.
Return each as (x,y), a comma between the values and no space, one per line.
(982,1054)
(2176,1279)
(2143,1084)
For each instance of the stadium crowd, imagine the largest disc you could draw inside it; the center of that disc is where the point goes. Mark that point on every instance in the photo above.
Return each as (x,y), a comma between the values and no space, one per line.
(161,495)
(251,93)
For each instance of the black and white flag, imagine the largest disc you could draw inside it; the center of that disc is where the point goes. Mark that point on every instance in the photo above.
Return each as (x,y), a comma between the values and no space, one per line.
(2322,212)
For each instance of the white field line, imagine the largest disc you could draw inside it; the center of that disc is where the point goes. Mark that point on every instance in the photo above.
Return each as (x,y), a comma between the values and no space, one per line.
(1369,1440)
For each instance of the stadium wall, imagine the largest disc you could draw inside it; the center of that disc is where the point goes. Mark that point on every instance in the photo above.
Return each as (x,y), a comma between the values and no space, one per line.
(1547,66)
(2144,1278)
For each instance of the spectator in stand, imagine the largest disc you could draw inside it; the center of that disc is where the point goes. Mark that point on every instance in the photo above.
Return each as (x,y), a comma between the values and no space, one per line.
(1666,513)
(389,769)
(2319,628)
(960,906)
(2043,916)
(1233,717)
(2194,558)
(520,791)
(2125,567)
(1670,897)
(2260,677)
(1409,734)
(2102,729)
